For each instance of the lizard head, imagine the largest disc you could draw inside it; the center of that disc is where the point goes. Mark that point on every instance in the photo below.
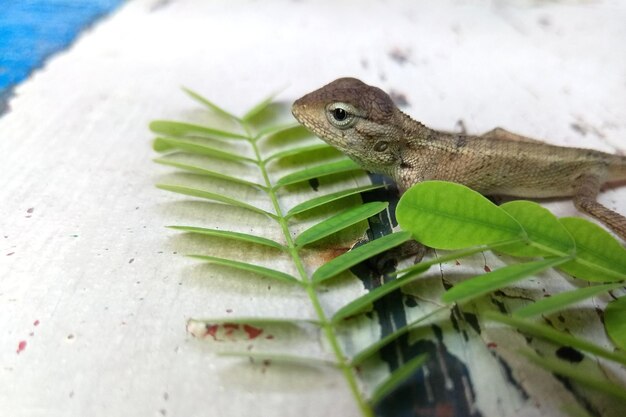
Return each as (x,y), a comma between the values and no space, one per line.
(358,119)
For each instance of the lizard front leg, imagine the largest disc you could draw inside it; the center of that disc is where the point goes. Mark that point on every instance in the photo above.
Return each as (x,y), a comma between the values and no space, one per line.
(585,201)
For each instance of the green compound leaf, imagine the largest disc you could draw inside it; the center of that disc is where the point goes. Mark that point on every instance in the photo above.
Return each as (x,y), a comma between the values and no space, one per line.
(358,255)
(365,301)
(243,266)
(375,347)
(207,172)
(345,165)
(615,322)
(406,276)
(486,283)
(258,108)
(451,216)
(243,237)
(404,372)
(297,151)
(188,145)
(179,129)
(339,222)
(329,198)
(547,236)
(217,109)
(277,130)
(555,336)
(599,256)
(565,369)
(562,300)
(194,192)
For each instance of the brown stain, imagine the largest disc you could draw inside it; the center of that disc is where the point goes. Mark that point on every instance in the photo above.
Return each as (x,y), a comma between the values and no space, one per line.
(331,253)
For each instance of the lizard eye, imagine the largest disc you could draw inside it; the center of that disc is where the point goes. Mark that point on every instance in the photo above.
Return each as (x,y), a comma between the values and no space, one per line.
(341,115)
(381,146)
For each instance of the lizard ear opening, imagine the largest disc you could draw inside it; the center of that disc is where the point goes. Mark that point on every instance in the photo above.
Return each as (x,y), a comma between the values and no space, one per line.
(341,115)
(381,146)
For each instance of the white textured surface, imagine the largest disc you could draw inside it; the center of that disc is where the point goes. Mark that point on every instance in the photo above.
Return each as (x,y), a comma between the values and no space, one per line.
(92,263)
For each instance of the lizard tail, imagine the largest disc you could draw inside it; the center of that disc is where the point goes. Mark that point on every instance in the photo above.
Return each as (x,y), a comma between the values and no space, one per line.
(617,168)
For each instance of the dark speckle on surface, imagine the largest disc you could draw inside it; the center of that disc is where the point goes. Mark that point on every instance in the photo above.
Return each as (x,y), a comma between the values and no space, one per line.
(399,56)
(576,127)
(569,354)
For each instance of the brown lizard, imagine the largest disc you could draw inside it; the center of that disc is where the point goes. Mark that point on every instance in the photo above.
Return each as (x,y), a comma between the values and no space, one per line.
(363,122)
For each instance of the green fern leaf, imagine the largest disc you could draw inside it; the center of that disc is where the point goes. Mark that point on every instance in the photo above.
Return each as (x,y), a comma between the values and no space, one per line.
(355,256)
(483,284)
(257,109)
(339,222)
(244,266)
(329,198)
(562,300)
(582,377)
(345,165)
(297,151)
(215,108)
(181,130)
(195,147)
(194,192)
(207,172)
(242,237)
(555,336)
(400,375)
(615,322)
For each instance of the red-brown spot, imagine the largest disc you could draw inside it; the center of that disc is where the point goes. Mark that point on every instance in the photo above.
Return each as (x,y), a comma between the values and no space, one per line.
(253,332)
(457,263)
(36,323)
(492,345)
(487,269)
(230,328)
(21,346)
(269,336)
(211,330)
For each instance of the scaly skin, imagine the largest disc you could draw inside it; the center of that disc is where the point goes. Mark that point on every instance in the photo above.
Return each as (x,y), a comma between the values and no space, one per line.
(363,122)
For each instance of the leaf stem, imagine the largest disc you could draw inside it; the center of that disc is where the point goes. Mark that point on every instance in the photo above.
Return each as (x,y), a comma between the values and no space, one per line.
(324,322)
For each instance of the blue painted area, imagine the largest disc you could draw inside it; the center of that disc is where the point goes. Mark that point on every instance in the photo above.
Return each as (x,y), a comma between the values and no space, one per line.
(32,30)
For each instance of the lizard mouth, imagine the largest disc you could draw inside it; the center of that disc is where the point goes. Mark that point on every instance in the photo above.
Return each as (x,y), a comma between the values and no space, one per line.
(298,110)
